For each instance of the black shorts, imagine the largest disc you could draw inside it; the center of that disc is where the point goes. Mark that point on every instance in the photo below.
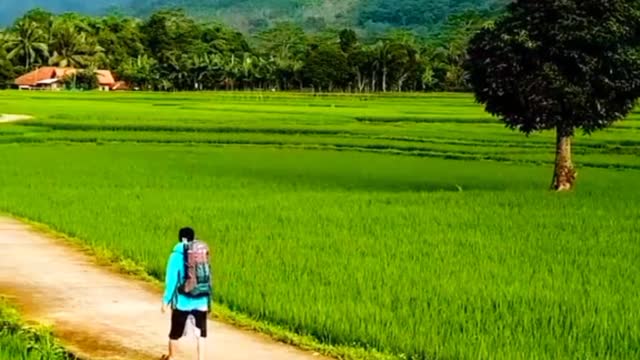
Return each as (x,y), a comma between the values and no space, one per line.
(179,322)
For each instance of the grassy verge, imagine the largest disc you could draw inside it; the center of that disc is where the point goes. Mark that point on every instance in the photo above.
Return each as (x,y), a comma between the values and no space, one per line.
(19,341)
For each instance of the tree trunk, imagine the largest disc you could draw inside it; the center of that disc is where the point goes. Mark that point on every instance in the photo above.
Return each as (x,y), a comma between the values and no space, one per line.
(401,81)
(374,78)
(565,174)
(384,79)
(361,81)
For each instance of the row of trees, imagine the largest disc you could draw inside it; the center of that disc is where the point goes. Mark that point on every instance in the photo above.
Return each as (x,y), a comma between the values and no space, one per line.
(171,51)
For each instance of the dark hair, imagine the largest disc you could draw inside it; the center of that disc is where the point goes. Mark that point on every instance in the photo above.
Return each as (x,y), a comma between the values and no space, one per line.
(186,233)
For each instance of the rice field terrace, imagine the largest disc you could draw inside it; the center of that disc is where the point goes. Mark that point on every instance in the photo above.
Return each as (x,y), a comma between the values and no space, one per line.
(416,226)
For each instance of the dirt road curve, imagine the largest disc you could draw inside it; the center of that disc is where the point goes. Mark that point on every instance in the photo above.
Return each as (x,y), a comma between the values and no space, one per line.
(6,118)
(102,315)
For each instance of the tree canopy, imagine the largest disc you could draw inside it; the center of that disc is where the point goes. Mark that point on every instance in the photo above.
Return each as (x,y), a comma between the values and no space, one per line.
(561,65)
(170,50)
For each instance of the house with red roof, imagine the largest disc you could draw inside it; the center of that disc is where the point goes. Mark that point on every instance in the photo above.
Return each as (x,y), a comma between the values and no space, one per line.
(50,78)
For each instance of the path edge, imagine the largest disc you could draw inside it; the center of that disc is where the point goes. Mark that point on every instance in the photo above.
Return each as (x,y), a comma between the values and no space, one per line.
(13,320)
(106,259)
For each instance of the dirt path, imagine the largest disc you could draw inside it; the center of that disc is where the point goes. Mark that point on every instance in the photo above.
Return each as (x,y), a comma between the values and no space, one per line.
(6,118)
(102,315)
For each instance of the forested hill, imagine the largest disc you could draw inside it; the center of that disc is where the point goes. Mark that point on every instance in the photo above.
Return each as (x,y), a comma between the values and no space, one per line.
(250,16)
(12,9)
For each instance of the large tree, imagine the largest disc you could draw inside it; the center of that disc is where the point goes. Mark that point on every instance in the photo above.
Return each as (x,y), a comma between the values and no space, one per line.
(285,44)
(170,34)
(120,38)
(559,65)
(326,67)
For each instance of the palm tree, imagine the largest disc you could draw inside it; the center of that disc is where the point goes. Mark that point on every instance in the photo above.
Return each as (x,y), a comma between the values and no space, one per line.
(71,46)
(5,37)
(248,69)
(265,72)
(28,41)
(205,71)
(211,71)
(287,65)
(232,70)
(383,56)
(434,57)
(179,69)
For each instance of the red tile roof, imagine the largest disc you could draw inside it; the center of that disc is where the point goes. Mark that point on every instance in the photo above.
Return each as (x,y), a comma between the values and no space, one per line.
(30,79)
(105,78)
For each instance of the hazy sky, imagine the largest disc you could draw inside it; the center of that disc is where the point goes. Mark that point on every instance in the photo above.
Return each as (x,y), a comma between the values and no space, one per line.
(10,9)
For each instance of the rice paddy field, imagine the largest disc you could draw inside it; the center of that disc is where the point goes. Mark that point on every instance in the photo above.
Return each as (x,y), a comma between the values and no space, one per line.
(416,226)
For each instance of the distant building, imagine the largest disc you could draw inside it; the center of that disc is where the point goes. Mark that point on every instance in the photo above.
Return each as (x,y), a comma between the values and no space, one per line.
(50,78)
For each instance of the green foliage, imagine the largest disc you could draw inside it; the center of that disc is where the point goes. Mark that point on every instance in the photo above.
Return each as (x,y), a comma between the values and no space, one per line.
(169,33)
(172,51)
(559,64)
(372,18)
(7,69)
(71,46)
(141,72)
(27,44)
(407,240)
(81,80)
(20,342)
(120,39)
(420,14)
(326,67)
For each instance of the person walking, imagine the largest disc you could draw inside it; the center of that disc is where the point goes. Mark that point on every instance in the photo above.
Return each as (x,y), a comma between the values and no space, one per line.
(188,290)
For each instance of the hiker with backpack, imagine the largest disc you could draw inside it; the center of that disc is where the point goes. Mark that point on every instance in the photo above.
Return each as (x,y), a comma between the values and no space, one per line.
(188,290)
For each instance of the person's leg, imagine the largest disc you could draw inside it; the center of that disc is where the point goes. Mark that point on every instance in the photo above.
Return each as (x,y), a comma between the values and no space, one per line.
(173,349)
(201,324)
(202,348)
(178,323)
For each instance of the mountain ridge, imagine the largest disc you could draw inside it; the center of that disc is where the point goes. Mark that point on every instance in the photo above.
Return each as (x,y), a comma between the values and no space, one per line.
(251,16)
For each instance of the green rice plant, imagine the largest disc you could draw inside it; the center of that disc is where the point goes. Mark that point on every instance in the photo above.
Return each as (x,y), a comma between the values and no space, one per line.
(416,256)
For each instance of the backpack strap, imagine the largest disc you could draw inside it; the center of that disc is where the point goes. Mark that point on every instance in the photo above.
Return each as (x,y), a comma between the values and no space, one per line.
(174,297)
(209,297)
(185,268)
(185,255)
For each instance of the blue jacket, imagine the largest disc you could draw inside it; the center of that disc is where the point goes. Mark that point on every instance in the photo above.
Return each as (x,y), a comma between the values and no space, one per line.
(175,270)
